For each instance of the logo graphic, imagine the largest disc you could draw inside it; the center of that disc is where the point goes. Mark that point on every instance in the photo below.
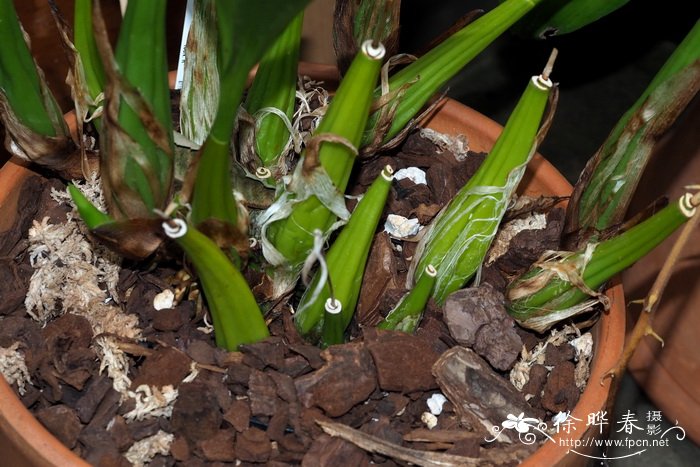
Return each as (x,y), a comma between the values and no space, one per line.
(531,430)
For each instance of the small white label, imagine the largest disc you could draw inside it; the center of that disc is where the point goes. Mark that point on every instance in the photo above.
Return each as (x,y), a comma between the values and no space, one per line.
(183,44)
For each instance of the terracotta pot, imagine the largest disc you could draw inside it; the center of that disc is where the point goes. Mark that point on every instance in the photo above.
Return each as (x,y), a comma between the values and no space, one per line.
(671,375)
(24,441)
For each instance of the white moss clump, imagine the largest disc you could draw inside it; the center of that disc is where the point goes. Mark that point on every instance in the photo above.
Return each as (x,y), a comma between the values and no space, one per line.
(457,145)
(520,373)
(64,277)
(74,274)
(143,451)
(108,263)
(14,368)
(151,402)
(114,360)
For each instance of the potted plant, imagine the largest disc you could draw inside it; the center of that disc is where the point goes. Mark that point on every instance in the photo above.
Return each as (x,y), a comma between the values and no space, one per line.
(291,205)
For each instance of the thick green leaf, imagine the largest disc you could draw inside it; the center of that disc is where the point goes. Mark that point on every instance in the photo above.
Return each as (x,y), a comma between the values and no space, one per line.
(557,289)
(136,141)
(557,17)
(608,182)
(20,81)
(457,240)
(34,125)
(246,30)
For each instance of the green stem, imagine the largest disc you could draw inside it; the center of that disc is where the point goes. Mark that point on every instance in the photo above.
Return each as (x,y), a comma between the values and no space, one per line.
(458,239)
(610,257)
(431,71)
(333,323)
(236,315)
(346,117)
(406,315)
(346,260)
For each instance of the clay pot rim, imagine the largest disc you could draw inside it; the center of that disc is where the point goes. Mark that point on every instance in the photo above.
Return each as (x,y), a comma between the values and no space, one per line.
(17,423)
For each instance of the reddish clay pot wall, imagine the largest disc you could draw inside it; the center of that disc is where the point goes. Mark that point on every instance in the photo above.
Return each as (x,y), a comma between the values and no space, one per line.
(670,375)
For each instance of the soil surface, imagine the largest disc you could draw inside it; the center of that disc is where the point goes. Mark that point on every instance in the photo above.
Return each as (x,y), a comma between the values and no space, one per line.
(267,403)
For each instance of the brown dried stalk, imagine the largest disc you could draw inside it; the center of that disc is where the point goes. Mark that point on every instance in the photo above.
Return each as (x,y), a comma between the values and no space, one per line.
(414,456)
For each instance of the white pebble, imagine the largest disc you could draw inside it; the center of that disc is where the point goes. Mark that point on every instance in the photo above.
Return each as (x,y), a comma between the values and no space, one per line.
(429,419)
(401,227)
(560,418)
(164,300)
(414,174)
(435,403)
(583,345)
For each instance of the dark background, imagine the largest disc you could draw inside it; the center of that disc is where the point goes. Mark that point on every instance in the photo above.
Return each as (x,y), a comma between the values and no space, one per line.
(601,69)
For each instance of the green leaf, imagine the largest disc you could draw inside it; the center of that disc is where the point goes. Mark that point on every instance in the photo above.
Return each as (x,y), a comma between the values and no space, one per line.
(557,289)
(236,315)
(34,125)
(274,87)
(345,265)
(136,141)
(146,69)
(425,76)
(608,182)
(84,40)
(90,214)
(133,238)
(457,240)
(355,21)
(20,82)
(557,17)
(246,30)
